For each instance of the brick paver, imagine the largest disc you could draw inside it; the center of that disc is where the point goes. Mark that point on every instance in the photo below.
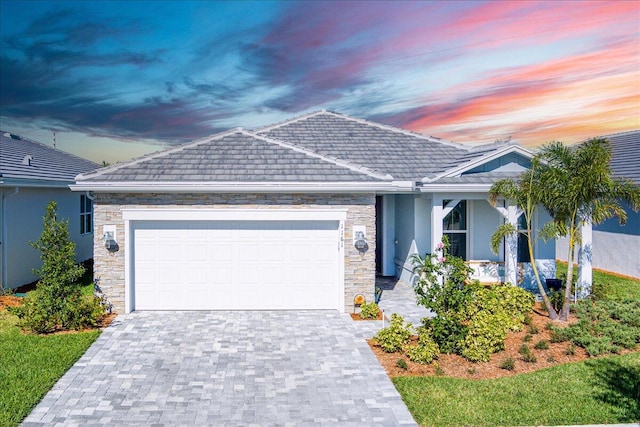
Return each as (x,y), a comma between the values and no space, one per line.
(225,368)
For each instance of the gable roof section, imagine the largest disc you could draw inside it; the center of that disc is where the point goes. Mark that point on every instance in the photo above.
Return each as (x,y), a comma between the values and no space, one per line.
(22,159)
(404,155)
(234,156)
(625,155)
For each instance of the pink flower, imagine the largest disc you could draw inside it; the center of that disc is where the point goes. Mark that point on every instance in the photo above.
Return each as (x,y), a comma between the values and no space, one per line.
(442,259)
(440,245)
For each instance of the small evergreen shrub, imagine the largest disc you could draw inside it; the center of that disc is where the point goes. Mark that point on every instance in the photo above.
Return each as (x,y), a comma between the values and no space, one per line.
(533,330)
(541,345)
(369,310)
(527,354)
(392,338)
(508,364)
(527,338)
(57,303)
(425,351)
(402,364)
(571,350)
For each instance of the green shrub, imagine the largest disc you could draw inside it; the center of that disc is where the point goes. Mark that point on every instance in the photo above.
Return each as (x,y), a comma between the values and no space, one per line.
(485,336)
(541,345)
(527,354)
(559,334)
(447,331)
(369,310)
(603,326)
(402,364)
(571,350)
(392,338)
(508,364)
(527,338)
(425,351)
(532,329)
(557,299)
(57,302)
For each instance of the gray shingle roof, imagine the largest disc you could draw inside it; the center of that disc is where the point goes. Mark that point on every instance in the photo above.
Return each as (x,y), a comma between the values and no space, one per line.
(400,153)
(44,164)
(234,156)
(625,159)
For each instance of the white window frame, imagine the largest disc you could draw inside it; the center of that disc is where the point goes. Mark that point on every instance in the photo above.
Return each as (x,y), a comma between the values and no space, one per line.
(86,214)
(466,231)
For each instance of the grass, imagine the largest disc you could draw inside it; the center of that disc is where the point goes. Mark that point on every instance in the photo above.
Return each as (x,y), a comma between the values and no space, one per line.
(31,364)
(612,286)
(603,390)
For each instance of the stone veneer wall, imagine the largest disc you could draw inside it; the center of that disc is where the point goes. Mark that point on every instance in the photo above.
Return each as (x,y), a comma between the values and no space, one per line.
(359,270)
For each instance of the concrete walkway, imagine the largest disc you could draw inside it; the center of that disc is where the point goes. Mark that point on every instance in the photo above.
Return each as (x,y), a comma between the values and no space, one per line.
(226,368)
(397,297)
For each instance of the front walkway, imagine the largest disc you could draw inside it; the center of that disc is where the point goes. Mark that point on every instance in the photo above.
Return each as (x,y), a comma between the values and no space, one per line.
(226,368)
(397,297)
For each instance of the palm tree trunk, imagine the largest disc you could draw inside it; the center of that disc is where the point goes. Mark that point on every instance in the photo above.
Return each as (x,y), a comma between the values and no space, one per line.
(564,313)
(553,315)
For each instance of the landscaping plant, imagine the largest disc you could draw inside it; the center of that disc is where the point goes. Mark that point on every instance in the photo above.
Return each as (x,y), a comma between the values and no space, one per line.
(393,338)
(471,320)
(57,302)
(369,310)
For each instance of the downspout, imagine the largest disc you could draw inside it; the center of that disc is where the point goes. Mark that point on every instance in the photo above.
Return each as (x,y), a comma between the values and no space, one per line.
(3,234)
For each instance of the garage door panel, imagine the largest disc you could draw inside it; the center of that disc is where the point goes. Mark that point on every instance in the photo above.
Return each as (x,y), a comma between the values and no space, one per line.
(192,265)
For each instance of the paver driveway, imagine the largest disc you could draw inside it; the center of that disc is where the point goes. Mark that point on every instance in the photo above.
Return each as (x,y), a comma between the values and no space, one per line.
(225,368)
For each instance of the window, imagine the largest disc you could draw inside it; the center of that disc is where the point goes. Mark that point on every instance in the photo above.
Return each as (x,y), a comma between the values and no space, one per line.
(523,246)
(455,228)
(86,213)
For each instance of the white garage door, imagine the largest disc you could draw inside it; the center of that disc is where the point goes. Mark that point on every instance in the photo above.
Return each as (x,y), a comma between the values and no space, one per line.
(236,265)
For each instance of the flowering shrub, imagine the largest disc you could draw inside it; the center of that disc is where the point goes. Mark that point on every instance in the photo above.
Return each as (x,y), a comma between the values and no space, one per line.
(471,320)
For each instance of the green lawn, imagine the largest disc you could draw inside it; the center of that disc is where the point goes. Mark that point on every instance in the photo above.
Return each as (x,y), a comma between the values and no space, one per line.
(603,390)
(30,365)
(612,287)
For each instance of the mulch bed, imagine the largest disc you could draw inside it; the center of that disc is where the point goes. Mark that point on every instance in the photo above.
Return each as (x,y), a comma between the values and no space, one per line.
(455,366)
(356,316)
(12,301)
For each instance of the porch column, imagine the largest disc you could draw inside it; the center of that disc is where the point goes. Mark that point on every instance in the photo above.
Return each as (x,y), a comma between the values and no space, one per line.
(585,273)
(388,235)
(510,214)
(437,215)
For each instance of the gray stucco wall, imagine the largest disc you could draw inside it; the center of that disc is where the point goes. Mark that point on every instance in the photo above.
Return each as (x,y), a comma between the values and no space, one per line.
(359,270)
(615,252)
(24,211)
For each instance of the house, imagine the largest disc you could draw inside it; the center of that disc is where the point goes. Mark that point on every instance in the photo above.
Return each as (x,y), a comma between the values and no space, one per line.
(611,242)
(31,175)
(298,215)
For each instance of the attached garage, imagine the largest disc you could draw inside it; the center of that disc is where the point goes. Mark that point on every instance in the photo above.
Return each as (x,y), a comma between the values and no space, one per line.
(235,259)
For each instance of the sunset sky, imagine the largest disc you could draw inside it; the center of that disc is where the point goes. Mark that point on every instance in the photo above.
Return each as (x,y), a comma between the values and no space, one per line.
(115,80)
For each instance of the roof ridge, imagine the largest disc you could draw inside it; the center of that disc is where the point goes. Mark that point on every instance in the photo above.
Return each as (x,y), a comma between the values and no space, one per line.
(21,138)
(613,134)
(288,121)
(336,161)
(157,154)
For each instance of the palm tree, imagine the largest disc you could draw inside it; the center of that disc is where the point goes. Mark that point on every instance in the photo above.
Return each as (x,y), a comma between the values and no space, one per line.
(578,188)
(526,193)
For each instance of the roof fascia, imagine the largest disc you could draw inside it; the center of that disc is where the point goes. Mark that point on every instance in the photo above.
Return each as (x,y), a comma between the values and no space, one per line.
(454,188)
(33,183)
(473,163)
(240,187)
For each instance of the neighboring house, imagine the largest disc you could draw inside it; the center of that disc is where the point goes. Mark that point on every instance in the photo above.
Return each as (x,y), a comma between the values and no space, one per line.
(614,247)
(31,175)
(275,218)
